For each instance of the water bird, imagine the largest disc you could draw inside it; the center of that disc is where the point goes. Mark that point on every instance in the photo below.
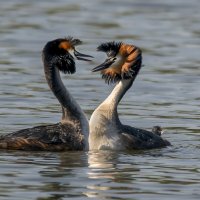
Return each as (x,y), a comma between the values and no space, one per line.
(71,133)
(157,130)
(121,66)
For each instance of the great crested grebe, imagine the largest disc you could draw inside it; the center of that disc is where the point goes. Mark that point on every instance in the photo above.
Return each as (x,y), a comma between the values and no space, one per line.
(157,130)
(106,131)
(72,132)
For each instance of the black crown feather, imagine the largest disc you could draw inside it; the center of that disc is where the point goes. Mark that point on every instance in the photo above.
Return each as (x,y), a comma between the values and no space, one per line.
(110,48)
(73,41)
(54,56)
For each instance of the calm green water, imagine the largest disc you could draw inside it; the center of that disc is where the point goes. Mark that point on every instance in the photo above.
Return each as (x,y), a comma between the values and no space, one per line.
(165,93)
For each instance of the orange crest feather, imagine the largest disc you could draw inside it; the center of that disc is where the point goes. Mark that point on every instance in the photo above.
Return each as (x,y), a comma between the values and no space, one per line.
(65,45)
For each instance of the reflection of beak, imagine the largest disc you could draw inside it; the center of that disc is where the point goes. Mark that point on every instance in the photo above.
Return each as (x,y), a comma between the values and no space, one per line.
(79,56)
(106,64)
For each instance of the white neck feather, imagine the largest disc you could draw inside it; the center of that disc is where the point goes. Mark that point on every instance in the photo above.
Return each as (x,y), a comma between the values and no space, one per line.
(104,122)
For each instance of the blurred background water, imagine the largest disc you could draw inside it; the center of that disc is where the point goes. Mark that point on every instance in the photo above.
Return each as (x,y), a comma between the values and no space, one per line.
(165,93)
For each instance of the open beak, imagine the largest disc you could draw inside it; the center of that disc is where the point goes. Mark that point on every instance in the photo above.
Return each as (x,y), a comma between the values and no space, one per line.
(80,56)
(106,64)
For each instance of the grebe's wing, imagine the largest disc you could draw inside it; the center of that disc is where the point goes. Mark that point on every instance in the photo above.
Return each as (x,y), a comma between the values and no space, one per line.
(55,137)
(136,138)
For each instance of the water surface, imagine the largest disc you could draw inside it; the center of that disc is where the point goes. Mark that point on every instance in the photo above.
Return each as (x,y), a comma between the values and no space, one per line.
(165,93)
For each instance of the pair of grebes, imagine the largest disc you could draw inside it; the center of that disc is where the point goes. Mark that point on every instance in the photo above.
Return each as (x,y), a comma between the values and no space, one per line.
(104,129)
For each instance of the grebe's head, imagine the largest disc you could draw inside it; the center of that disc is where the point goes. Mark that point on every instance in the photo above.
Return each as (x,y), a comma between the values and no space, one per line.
(157,130)
(58,53)
(123,61)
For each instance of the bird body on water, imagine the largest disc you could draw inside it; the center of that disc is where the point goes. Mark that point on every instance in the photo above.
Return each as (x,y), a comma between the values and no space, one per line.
(106,131)
(72,132)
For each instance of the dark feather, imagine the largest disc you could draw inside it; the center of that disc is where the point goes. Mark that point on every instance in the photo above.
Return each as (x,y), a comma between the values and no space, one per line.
(55,56)
(141,139)
(73,41)
(110,48)
(111,79)
(66,64)
(55,137)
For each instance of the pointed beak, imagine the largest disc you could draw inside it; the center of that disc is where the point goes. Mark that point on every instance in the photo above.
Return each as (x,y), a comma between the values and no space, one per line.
(106,64)
(80,56)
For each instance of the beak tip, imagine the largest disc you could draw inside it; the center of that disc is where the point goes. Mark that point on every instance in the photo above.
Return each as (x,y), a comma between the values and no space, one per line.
(93,70)
(81,56)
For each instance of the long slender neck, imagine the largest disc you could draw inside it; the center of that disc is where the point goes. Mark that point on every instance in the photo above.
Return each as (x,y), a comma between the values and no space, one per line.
(117,93)
(104,122)
(108,108)
(71,109)
(109,105)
